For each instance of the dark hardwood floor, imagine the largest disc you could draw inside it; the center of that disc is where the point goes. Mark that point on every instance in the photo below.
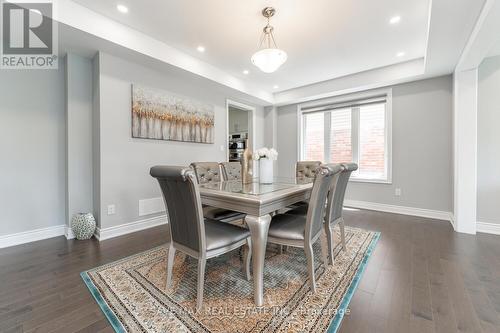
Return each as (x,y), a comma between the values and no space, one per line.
(422,277)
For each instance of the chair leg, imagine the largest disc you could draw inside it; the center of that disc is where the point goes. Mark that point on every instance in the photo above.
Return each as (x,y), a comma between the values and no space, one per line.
(280,249)
(324,252)
(329,239)
(342,233)
(170,264)
(310,265)
(201,281)
(247,258)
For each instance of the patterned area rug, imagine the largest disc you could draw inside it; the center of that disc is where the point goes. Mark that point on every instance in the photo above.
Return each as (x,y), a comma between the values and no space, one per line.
(131,292)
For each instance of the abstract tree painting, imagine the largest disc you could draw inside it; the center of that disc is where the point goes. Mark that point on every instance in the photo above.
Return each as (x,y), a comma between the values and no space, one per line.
(161,115)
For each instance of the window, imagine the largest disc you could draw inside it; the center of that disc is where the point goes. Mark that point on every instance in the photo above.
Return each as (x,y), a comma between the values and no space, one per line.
(314,132)
(350,131)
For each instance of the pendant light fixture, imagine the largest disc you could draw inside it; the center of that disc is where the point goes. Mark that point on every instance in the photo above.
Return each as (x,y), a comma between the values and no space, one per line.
(269,58)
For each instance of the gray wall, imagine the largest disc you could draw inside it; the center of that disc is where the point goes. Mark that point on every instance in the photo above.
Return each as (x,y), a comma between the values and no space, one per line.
(422,147)
(32,144)
(488,142)
(124,161)
(78,135)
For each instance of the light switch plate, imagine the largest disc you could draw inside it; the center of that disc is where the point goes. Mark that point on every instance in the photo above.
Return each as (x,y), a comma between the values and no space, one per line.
(111,209)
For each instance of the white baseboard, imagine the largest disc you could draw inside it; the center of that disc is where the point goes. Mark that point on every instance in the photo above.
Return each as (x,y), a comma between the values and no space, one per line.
(119,230)
(452,221)
(31,236)
(68,232)
(488,228)
(421,212)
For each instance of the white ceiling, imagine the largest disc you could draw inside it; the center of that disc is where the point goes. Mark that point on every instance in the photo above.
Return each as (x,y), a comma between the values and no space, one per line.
(324,39)
(495,50)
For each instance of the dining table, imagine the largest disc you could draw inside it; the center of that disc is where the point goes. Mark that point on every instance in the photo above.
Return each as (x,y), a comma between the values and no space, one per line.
(259,202)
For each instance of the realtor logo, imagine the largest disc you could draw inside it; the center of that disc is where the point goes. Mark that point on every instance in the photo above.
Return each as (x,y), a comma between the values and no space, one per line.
(28,35)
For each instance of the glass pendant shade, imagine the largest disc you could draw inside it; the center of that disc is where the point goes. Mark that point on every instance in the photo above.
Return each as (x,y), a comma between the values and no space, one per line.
(269,60)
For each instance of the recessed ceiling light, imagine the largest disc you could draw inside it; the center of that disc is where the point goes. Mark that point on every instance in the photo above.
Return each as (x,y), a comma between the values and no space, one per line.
(246,72)
(400,54)
(276,86)
(122,9)
(201,48)
(395,19)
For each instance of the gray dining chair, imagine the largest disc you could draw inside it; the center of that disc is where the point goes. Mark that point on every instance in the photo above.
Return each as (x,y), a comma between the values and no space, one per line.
(335,207)
(306,169)
(190,232)
(231,170)
(207,172)
(304,230)
(303,169)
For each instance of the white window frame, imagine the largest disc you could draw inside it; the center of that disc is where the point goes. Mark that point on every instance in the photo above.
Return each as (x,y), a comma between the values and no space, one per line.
(354,127)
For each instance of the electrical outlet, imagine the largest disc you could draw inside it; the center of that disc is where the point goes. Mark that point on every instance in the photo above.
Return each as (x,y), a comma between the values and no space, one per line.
(221,148)
(397,192)
(111,209)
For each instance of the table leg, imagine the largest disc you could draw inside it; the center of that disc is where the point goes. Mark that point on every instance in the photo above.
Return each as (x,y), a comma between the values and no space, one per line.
(259,226)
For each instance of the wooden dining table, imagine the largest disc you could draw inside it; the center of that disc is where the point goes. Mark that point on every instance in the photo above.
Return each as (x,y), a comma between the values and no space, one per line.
(258,201)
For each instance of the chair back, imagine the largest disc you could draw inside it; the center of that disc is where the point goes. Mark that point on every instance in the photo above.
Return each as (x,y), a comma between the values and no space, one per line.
(316,211)
(337,195)
(306,169)
(206,172)
(182,201)
(231,170)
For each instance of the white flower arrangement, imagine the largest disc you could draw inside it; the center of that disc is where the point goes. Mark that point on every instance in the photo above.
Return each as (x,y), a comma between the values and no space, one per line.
(269,153)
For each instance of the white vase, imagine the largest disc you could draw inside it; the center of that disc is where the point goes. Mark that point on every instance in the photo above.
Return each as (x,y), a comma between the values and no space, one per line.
(265,171)
(83,225)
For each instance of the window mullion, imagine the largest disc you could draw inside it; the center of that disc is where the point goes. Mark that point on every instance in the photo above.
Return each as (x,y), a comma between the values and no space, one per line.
(326,135)
(303,138)
(355,134)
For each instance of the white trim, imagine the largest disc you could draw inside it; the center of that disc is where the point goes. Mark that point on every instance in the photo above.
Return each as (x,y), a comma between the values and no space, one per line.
(300,125)
(428,35)
(68,232)
(409,71)
(452,221)
(412,211)
(488,228)
(465,103)
(31,235)
(482,38)
(127,228)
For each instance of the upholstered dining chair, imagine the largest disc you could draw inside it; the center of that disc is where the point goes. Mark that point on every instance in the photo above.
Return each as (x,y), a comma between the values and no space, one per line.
(207,172)
(231,170)
(304,230)
(335,207)
(306,169)
(190,232)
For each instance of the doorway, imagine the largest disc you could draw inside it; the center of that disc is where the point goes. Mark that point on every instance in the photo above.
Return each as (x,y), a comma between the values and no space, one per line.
(240,129)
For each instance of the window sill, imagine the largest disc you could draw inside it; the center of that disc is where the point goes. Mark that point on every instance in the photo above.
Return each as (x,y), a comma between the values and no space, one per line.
(373,181)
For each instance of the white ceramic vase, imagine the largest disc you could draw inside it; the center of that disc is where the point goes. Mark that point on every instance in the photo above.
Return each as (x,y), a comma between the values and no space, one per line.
(266,171)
